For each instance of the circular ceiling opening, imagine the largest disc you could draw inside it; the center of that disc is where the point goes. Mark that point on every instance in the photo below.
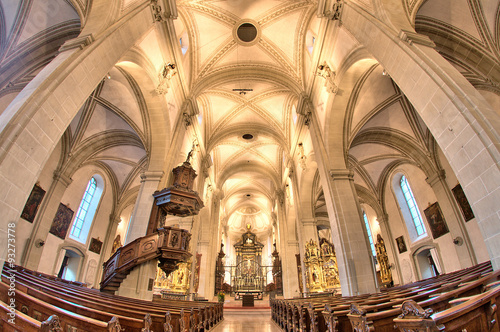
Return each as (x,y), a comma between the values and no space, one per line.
(247,32)
(247,136)
(248,195)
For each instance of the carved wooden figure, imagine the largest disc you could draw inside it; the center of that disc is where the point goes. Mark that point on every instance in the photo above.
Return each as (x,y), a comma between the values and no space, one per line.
(167,326)
(52,324)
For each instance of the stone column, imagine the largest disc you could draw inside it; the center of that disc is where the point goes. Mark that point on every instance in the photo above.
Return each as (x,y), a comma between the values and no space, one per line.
(453,218)
(209,246)
(354,261)
(106,252)
(205,273)
(42,224)
(142,209)
(137,282)
(288,247)
(309,230)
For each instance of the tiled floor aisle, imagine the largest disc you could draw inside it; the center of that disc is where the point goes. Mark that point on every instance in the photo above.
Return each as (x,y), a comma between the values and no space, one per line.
(258,320)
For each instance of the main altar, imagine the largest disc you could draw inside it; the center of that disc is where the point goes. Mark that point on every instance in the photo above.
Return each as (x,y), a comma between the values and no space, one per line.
(248,276)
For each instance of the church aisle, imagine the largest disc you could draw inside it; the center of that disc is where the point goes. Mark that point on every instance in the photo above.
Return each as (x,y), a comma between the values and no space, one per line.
(258,320)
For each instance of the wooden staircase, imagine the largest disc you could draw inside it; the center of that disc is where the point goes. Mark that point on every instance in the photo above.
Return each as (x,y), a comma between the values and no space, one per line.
(168,245)
(114,283)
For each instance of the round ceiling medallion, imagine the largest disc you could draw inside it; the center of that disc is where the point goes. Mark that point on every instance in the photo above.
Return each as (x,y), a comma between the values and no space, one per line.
(246,32)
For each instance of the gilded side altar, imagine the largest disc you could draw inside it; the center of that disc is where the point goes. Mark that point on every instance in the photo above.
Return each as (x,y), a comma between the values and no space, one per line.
(321,267)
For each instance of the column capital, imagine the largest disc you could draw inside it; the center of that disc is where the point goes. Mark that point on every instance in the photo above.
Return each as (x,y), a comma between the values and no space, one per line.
(169,10)
(203,243)
(309,221)
(342,174)
(189,110)
(331,9)
(412,37)
(383,218)
(436,177)
(280,196)
(79,42)
(62,178)
(115,219)
(151,176)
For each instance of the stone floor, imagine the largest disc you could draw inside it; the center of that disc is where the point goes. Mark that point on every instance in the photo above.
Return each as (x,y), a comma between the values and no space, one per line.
(258,320)
(238,318)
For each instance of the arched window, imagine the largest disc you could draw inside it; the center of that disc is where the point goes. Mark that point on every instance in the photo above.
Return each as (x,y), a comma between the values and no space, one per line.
(370,237)
(86,210)
(412,206)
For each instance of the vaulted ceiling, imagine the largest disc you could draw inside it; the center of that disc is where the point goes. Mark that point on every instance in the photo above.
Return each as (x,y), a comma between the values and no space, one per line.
(247,67)
(246,63)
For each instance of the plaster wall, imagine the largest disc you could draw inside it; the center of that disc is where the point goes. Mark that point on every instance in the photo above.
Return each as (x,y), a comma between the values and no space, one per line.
(24,228)
(72,197)
(424,196)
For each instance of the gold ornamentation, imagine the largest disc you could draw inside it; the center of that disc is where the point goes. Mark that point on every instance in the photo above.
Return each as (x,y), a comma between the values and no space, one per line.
(321,267)
(383,261)
(176,282)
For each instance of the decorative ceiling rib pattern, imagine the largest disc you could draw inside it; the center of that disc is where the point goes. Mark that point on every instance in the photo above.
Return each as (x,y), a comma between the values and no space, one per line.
(247,95)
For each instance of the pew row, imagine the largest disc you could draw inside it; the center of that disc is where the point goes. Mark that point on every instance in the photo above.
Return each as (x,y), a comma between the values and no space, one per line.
(378,310)
(182,315)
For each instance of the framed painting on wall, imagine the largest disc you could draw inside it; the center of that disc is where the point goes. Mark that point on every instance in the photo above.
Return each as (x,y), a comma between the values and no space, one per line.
(61,221)
(401,244)
(32,204)
(95,245)
(462,201)
(436,220)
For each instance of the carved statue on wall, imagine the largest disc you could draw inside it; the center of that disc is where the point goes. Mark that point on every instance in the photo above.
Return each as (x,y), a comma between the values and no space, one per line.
(117,243)
(165,75)
(383,260)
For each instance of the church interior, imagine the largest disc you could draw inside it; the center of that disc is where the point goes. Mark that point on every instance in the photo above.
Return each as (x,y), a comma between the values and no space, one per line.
(296,155)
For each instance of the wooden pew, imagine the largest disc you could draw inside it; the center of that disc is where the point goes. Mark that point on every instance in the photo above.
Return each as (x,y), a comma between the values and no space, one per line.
(53,290)
(331,313)
(22,322)
(69,321)
(215,308)
(479,313)
(382,321)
